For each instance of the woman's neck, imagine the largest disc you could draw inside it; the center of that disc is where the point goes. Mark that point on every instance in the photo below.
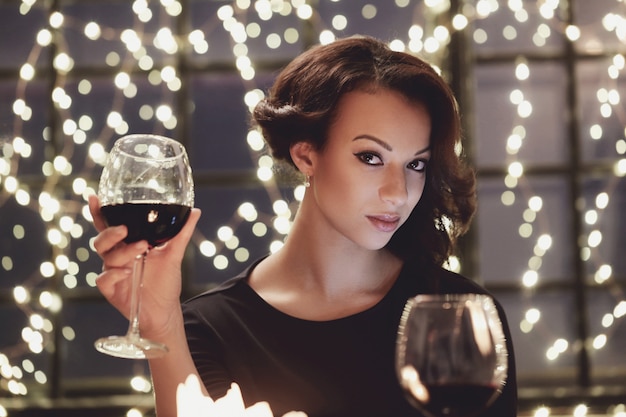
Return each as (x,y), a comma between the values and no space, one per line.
(334,275)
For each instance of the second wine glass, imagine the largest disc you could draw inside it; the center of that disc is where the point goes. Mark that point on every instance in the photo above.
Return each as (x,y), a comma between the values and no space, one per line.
(451,355)
(146,185)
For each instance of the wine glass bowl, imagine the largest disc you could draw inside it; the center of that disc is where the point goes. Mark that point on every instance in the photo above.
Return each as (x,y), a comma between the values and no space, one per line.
(451,355)
(146,185)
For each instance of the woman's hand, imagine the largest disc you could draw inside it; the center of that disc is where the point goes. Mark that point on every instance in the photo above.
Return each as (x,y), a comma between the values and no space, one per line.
(160,297)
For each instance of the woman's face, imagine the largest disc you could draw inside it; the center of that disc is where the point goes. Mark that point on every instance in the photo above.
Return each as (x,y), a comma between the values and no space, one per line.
(371,173)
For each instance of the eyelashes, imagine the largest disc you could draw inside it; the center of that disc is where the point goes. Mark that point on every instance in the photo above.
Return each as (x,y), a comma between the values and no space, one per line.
(374,159)
(369,158)
(418,165)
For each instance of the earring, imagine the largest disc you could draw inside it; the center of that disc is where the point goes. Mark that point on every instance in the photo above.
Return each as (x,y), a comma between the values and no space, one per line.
(307,181)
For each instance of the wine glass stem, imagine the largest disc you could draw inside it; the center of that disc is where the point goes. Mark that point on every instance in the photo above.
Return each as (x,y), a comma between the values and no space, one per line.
(135,296)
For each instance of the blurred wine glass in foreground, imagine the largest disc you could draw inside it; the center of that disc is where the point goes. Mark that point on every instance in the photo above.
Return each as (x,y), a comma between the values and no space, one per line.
(451,355)
(147,186)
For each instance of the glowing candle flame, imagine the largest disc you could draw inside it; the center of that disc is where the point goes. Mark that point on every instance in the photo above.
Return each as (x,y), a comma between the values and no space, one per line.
(191,402)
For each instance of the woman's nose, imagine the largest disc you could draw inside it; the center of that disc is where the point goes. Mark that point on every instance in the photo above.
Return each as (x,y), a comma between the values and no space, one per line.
(394,188)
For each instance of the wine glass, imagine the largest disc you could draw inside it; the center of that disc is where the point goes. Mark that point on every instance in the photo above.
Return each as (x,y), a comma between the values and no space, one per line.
(146,185)
(451,355)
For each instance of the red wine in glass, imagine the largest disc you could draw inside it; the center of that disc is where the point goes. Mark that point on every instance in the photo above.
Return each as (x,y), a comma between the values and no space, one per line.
(155,222)
(456,400)
(451,355)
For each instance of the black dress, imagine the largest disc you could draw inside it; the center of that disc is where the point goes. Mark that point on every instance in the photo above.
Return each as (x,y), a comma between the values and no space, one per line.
(337,368)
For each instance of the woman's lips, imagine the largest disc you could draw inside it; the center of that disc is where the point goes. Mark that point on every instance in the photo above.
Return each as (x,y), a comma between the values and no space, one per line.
(385,223)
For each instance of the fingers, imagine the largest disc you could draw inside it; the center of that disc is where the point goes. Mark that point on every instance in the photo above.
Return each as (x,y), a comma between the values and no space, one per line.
(107,282)
(121,256)
(94,208)
(187,231)
(179,242)
(117,267)
(108,238)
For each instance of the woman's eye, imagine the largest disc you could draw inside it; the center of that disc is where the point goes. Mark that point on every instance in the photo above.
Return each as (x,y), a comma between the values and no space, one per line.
(418,165)
(369,158)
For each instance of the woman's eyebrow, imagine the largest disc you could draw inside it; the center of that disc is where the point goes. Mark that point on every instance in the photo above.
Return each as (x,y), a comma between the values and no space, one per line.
(385,144)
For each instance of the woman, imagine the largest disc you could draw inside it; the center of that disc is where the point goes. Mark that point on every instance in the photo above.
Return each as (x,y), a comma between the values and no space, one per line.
(312,327)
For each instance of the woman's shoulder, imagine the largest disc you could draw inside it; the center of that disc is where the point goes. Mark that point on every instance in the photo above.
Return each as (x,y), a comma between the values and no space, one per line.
(433,278)
(233,288)
(217,290)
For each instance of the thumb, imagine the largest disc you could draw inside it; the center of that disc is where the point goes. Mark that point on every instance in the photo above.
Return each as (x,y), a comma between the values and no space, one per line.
(183,237)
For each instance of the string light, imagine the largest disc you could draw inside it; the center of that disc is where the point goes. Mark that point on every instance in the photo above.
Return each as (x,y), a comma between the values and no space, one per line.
(67,218)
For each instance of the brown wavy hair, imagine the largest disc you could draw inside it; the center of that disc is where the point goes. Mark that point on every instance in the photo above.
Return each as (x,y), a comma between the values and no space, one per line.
(302,105)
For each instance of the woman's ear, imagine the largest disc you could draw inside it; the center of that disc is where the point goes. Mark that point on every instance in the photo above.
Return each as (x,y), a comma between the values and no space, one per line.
(303,156)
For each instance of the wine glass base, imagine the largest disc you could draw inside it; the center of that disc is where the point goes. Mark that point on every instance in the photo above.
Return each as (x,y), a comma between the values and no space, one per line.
(130,348)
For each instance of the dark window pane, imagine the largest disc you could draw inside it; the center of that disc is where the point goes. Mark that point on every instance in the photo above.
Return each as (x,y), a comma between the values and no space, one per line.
(220,43)
(524,30)
(606,223)
(534,369)
(219,124)
(35,95)
(14,320)
(590,17)
(220,207)
(23,246)
(607,358)
(545,138)
(105,98)
(19,35)
(602,116)
(113,18)
(505,255)
(388,23)
(89,322)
